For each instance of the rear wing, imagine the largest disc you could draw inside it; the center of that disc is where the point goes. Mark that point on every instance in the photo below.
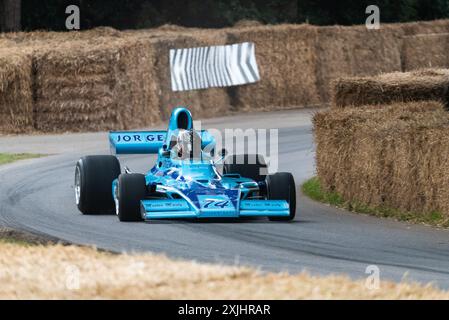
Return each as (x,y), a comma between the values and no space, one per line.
(148,142)
(138,142)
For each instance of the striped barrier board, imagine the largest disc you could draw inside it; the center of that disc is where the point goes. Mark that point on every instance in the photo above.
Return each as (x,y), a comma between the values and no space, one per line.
(215,66)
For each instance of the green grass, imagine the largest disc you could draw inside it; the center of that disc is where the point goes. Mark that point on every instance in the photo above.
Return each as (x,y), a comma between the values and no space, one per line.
(20,238)
(18,242)
(8,157)
(313,190)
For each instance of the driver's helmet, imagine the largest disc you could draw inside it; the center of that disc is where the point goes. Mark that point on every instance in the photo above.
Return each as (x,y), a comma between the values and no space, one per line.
(188,144)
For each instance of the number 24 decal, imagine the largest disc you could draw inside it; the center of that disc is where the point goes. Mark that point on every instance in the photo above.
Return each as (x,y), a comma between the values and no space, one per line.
(216,203)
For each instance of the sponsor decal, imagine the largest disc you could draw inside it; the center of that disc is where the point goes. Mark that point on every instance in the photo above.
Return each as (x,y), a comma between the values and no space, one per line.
(218,202)
(162,205)
(140,138)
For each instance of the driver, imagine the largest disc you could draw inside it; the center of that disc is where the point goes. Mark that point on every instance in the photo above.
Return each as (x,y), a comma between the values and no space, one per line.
(188,145)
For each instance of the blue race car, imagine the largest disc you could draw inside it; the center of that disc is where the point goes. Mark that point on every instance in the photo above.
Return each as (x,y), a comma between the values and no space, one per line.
(184,182)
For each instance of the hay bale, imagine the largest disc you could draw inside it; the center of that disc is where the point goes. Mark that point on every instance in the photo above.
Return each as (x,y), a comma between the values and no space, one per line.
(419,27)
(419,85)
(5,43)
(203,103)
(287,61)
(52,37)
(426,51)
(245,23)
(351,51)
(386,156)
(81,86)
(104,78)
(171,28)
(16,113)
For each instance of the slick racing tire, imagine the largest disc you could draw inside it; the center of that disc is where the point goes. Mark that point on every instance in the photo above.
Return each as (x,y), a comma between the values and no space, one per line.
(281,186)
(93,184)
(247,165)
(131,189)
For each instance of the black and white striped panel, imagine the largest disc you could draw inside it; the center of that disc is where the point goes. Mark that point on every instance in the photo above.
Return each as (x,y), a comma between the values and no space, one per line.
(216,66)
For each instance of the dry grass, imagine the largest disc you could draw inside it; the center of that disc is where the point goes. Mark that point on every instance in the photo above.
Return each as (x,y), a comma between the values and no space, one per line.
(394,156)
(38,272)
(419,85)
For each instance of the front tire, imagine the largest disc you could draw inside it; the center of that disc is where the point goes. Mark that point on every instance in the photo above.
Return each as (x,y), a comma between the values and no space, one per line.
(281,186)
(131,190)
(93,184)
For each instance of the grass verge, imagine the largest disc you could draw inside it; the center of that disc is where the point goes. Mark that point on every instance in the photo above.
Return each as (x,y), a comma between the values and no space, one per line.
(313,190)
(9,157)
(23,238)
(72,272)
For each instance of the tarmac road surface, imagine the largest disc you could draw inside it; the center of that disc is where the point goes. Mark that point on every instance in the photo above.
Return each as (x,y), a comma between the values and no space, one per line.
(37,195)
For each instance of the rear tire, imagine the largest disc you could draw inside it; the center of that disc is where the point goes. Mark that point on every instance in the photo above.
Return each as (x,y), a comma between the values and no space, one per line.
(93,184)
(247,165)
(131,190)
(281,186)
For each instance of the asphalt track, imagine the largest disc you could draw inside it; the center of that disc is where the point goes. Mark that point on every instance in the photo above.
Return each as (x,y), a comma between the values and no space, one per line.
(38,196)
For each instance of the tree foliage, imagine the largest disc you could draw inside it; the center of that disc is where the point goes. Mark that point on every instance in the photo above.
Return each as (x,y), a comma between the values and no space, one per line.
(10,14)
(50,14)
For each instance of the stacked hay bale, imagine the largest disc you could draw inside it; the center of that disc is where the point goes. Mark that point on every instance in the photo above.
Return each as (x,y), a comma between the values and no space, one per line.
(419,85)
(387,152)
(39,38)
(287,65)
(16,102)
(93,85)
(424,51)
(351,51)
(103,78)
(246,23)
(419,27)
(380,155)
(203,103)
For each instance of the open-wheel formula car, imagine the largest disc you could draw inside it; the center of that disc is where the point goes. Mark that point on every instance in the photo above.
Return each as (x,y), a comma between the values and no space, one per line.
(184,182)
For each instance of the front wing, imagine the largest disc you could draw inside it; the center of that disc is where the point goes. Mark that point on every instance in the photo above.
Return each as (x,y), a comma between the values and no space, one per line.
(212,207)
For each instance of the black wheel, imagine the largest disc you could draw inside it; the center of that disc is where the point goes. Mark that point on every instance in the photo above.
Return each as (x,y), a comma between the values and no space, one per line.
(131,190)
(247,165)
(281,186)
(93,184)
